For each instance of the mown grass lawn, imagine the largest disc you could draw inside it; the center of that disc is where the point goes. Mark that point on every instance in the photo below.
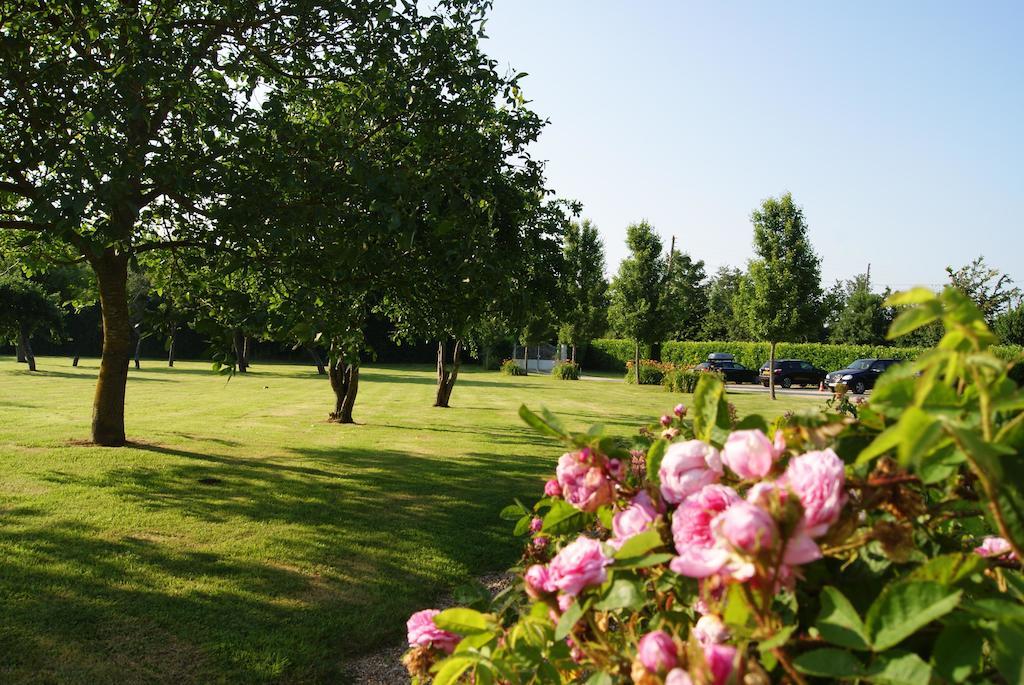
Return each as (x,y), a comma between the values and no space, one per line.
(241,538)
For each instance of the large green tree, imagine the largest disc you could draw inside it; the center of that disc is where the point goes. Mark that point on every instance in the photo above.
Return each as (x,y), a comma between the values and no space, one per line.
(25,307)
(583,286)
(637,291)
(686,296)
(781,292)
(863,318)
(991,289)
(724,319)
(116,121)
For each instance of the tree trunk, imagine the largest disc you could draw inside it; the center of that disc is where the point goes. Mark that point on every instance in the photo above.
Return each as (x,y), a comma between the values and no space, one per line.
(574,353)
(26,346)
(636,362)
(239,344)
(108,404)
(74,360)
(345,383)
(246,349)
(19,350)
(526,359)
(771,371)
(317,360)
(171,339)
(138,349)
(445,377)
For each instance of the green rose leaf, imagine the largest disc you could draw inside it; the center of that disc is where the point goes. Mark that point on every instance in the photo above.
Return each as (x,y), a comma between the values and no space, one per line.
(563,518)
(464,621)
(839,623)
(640,544)
(903,608)
(829,663)
(568,620)
(957,652)
(621,594)
(899,668)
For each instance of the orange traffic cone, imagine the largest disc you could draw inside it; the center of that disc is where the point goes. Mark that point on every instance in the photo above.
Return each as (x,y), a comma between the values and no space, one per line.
(821,386)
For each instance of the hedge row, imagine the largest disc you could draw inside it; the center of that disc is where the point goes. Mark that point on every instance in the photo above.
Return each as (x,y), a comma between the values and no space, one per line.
(612,355)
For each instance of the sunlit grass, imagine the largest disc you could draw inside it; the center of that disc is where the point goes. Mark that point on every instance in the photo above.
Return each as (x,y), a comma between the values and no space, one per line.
(241,537)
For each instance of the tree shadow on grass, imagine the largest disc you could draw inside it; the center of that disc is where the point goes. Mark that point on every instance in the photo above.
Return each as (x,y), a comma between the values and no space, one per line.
(349,543)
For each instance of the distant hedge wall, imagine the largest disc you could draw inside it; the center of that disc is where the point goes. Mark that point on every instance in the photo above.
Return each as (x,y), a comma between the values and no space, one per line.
(611,354)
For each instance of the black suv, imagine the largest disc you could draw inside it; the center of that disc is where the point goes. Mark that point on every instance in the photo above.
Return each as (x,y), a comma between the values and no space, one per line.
(790,372)
(860,376)
(725,363)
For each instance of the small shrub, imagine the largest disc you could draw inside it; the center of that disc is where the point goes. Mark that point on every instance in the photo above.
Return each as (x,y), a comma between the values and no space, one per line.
(510,368)
(651,372)
(566,371)
(683,379)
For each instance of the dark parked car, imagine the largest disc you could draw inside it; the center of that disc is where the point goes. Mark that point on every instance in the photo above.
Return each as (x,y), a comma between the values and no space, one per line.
(860,376)
(790,372)
(733,371)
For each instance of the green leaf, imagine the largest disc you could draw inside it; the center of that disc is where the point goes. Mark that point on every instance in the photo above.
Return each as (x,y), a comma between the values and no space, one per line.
(910,320)
(539,424)
(463,621)
(522,526)
(654,456)
(644,560)
(776,640)
(513,512)
(899,668)
(568,620)
(605,516)
(839,623)
(738,612)
(1008,650)
(911,297)
(948,569)
(640,544)
(563,518)
(957,652)
(903,608)
(708,404)
(829,663)
(451,669)
(914,436)
(621,594)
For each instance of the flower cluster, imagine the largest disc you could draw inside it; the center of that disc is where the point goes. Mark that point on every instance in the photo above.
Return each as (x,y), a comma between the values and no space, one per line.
(829,546)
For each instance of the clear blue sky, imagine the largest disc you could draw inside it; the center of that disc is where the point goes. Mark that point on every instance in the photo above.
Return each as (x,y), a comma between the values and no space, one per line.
(898,126)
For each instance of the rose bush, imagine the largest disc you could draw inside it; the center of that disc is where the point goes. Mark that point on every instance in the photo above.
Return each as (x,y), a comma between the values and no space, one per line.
(881,547)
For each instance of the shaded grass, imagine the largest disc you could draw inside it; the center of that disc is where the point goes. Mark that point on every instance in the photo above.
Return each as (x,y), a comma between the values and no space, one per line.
(242,538)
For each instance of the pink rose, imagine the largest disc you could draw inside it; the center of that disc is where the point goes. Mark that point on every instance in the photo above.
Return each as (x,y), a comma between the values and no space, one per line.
(747,528)
(540,542)
(536,523)
(552,488)
(634,519)
(719,659)
(538,581)
(800,548)
(686,468)
(779,444)
(584,485)
(579,564)
(818,480)
(615,469)
(698,555)
(994,546)
(749,453)
(678,676)
(657,652)
(680,410)
(710,630)
(423,632)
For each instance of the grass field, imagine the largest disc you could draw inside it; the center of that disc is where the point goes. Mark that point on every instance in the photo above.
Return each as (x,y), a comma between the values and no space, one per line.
(241,538)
